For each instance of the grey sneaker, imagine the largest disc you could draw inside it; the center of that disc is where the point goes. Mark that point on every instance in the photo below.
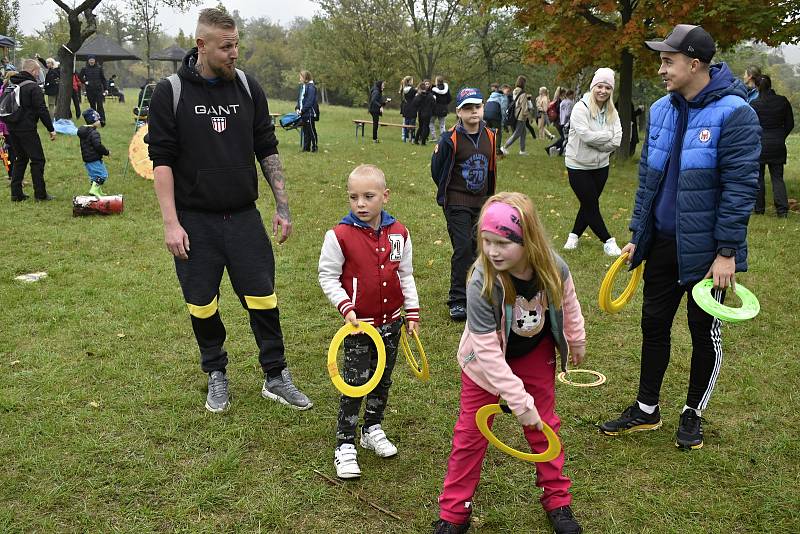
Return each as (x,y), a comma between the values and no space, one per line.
(217,400)
(283,390)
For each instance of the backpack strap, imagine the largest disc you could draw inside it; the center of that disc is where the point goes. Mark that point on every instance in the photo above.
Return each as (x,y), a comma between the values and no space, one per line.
(175,82)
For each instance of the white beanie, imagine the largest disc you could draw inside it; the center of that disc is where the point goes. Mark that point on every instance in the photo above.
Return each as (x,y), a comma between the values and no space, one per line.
(603,75)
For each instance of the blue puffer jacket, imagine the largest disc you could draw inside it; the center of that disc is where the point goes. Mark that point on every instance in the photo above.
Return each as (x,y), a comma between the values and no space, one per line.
(718,178)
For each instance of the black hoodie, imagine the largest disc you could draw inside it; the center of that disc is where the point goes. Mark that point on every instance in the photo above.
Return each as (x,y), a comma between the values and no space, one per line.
(376,100)
(210,141)
(31,100)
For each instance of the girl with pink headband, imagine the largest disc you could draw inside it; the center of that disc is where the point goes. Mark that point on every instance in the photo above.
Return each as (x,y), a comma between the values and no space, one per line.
(521,310)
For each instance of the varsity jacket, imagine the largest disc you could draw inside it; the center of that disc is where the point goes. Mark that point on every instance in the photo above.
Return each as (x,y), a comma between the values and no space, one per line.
(481,352)
(369,271)
(717,178)
(444,158)
(210,140)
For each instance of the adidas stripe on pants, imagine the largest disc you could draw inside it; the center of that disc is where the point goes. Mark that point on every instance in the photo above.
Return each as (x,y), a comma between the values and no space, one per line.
(662,297)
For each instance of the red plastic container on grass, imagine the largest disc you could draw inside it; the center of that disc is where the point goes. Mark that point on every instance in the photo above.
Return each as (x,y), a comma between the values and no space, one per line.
(92,205)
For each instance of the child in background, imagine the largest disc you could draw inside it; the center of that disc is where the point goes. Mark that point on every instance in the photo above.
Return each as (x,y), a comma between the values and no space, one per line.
(464,169)
(516,273)
(92,152)
(365,270)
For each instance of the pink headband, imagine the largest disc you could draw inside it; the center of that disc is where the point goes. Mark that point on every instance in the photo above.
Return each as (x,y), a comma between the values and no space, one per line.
(503,220)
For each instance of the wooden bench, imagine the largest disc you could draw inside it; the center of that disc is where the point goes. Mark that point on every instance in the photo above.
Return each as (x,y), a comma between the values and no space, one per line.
(360,124)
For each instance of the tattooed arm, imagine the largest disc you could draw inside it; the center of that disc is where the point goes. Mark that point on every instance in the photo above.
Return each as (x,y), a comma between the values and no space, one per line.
(272,168)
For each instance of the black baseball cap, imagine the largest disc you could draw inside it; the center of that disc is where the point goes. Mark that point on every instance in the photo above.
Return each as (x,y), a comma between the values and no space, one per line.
(689,40)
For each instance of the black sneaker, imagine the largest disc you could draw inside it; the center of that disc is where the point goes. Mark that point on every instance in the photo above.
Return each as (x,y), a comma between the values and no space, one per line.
(20,198)
(690,431)
(45,198)
(458,312)
(633,419)
(563,521)
(446,527)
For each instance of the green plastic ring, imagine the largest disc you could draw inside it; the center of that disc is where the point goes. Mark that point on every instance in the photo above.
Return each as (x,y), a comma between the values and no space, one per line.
(701,293)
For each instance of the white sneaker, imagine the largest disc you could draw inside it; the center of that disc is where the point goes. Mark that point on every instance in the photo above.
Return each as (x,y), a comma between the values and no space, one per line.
(374,438)
(504,150)
(610,248)
(572,242)
(522,153)
(344,459)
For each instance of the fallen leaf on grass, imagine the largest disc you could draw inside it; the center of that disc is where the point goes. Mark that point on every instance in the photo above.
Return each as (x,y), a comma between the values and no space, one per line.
(94,404)
(121,334)
(430,263)
(15,362)
(437,242)
(549,196)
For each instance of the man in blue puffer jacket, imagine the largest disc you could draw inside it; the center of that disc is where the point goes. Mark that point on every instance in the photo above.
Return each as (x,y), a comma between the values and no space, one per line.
(698,179)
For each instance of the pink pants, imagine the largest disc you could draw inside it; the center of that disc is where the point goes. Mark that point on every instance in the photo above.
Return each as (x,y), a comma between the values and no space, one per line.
(537,371)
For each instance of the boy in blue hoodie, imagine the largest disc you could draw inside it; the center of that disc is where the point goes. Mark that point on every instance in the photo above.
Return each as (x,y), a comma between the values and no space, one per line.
(698,179)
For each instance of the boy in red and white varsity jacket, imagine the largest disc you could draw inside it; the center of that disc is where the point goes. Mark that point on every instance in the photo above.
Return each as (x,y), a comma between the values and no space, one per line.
(365,270)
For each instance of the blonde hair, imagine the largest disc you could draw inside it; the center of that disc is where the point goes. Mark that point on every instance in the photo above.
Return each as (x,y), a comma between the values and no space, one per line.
(538,252)
(367,169)
(306,76)
(543,91)
(595,109)
(407,82)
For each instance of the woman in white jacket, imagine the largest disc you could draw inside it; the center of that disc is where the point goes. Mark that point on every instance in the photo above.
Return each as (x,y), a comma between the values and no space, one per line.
(594,133)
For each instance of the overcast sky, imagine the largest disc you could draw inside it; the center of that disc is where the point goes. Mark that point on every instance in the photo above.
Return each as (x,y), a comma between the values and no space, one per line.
(34,12)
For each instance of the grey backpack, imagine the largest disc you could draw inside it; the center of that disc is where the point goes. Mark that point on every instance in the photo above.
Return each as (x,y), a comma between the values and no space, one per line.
(9,102)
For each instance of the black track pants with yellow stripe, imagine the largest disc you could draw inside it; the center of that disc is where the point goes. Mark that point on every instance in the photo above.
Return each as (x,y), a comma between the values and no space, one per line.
(239,243)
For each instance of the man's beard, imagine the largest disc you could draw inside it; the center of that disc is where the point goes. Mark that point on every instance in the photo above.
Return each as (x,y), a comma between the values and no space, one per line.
(222,72)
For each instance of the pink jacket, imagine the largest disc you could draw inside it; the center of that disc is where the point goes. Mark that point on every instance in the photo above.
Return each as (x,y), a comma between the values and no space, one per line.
(481,352)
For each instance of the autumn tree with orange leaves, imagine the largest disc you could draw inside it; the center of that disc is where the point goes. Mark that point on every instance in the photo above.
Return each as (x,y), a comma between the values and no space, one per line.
(579,34)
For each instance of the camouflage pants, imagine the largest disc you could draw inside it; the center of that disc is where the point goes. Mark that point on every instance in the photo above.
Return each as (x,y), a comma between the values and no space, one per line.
(360,360)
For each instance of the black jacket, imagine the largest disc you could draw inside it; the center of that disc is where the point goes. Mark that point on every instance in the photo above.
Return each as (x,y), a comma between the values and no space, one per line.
(31,100)
(51,79)
(423,103)
(94,79)
(442,95)
(210,141)
(407,109)
(777,121)
(92,148)
(376,98)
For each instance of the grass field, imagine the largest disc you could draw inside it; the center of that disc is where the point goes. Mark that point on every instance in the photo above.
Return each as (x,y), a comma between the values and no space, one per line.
(102,425)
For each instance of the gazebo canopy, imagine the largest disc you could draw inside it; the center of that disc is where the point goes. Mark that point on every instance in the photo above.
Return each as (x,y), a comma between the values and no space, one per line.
(103,49)
(7,42)
(172,53)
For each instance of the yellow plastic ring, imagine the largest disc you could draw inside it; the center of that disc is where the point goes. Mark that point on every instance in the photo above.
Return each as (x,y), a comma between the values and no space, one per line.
(553,443)
(333,368)
(420,371)
(601,378)
(614,306)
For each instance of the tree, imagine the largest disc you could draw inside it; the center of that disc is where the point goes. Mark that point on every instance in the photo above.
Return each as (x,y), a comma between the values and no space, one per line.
(114,22)
(143,16)
(9,17)
(435,26)
(576,34)
(355,42)
(79,31)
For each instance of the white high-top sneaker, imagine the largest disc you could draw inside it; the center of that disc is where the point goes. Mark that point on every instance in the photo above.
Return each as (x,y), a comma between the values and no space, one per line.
(572,242)
(610,248)
(344,459)
(374,438)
